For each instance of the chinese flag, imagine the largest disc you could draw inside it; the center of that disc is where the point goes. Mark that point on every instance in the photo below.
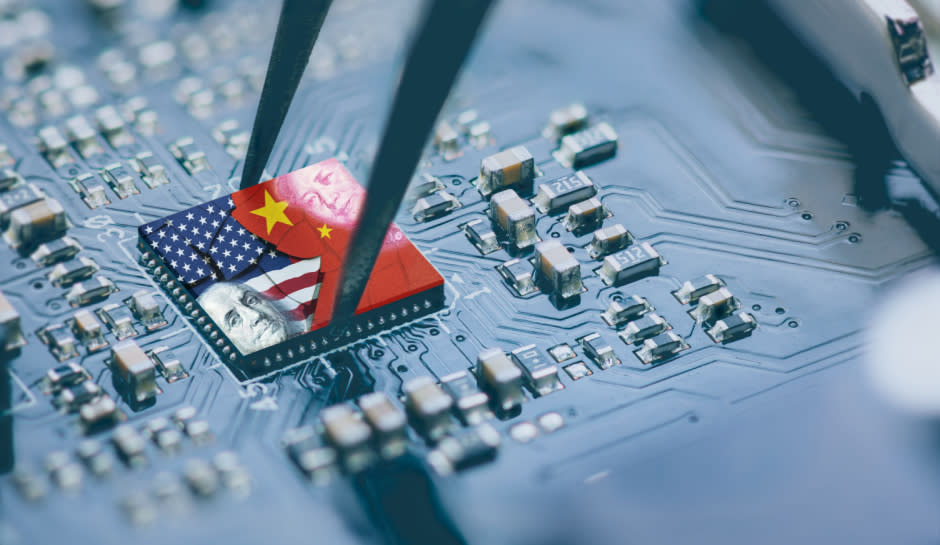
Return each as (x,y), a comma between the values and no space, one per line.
(311,213)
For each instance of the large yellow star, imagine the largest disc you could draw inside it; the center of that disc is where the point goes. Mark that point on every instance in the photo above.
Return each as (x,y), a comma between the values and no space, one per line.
(272,212)
(324,231)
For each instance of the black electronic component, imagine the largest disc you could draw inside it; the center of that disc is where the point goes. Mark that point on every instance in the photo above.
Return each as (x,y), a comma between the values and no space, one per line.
(118,319)
(96,289)
(737,326)
(518,274)
(18,196)
(64,376)
(89,330)
(189,155)
(588,146)
(599,351)
(647,326)
(471,403)
(661,347)
(60,340)
(465,448)
(120,179)
(49,253)
(626,309)
(631,264)
(434,206)
(715,305)
(481,235)
(691,290)
(69,272)
(9,178)
(425,184)
(564,191)
(540,374)
(71,398)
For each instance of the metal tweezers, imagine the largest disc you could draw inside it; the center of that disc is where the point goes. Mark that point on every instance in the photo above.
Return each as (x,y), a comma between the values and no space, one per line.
(445,34)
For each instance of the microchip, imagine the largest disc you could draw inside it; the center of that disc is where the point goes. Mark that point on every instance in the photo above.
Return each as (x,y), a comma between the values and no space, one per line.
(258,270)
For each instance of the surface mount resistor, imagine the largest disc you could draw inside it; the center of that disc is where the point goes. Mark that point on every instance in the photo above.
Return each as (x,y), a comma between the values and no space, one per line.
(599,351)
(734,327)
(471,403)
(630,264)
(661,347)
(647,326)
(541,375)
(588,146)
(564,191)
(624,310)
(691,290)
(481,235)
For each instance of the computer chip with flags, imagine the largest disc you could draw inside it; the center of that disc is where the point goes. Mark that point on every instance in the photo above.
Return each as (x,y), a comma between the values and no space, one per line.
(258,270)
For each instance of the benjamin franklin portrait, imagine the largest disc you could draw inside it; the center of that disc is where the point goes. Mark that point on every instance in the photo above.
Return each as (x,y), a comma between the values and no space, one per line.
(249,320)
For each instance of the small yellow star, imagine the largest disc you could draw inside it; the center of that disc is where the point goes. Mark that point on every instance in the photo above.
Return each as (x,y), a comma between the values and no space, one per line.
(272,212)
(325,231)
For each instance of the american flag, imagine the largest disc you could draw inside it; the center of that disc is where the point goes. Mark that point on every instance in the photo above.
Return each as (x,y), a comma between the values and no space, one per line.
(205,244)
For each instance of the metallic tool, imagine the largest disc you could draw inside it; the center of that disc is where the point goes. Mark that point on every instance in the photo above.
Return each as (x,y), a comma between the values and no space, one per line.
(445,34)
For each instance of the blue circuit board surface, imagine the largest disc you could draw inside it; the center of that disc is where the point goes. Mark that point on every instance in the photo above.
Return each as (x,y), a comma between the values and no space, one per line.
(721,166)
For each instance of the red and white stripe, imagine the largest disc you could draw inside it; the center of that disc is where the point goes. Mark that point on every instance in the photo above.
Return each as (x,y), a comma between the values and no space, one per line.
(293,289)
